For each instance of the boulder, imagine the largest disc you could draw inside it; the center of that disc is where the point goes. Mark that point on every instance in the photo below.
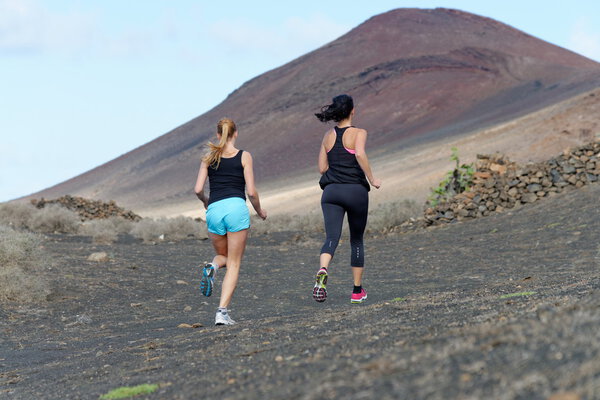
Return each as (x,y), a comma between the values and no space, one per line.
(98,257)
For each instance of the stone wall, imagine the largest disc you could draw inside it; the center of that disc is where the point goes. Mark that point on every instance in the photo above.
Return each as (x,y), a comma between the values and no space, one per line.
(500,184)
(89,209)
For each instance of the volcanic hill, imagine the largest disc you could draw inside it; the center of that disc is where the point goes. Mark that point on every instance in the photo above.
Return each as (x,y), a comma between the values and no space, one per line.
(418,76)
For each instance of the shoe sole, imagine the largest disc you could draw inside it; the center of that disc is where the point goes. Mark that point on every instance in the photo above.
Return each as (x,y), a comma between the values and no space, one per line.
(206,283)
(358,301)
(225,323)
(320,289)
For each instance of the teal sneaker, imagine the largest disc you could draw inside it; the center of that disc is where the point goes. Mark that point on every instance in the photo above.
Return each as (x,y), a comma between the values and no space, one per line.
(209,273)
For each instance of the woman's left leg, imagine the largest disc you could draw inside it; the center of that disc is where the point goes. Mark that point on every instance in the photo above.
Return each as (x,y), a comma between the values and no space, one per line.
(357,222)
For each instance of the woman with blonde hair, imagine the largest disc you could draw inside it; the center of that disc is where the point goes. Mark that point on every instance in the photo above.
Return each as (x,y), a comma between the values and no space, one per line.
(230,175)
(345,178)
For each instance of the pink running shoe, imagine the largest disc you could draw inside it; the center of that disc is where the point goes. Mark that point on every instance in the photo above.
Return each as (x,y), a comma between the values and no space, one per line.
(358,297)
(320,289)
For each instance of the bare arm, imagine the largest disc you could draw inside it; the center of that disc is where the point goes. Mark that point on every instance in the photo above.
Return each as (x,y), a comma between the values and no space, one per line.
(250,187)
(200,181)
(363,160)
(323,163)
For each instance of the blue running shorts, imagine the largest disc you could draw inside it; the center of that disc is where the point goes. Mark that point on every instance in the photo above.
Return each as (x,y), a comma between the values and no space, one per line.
(227,215)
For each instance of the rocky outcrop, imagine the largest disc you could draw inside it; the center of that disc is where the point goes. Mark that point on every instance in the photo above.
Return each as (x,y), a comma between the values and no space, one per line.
(89,209)
(500,184)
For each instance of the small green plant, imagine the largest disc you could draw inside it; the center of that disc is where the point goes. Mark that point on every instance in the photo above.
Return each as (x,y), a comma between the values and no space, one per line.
(398,299)
(518,294)
(129,391)
(456,181)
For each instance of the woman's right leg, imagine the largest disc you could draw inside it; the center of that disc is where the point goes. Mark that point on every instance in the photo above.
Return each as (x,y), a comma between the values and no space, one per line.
(333,218)
(209,271)
(236,244)
(219,243)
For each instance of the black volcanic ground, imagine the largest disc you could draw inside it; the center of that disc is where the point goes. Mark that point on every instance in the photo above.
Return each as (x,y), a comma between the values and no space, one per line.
(503,307)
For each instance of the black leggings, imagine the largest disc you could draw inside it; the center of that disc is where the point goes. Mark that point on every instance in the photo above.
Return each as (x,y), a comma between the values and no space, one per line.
(338,199)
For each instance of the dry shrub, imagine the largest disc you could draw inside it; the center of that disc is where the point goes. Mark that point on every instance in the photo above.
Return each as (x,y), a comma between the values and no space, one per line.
(105,231)
(180,228)
(55,218)
(102,231)
(381,219)
(21,260)
(147,229)
(17,215)
(171,229)
(388,215)
(308,223)
(121,225)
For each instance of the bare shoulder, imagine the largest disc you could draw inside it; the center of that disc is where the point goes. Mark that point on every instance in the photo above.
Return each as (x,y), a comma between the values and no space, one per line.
(329,138)
(358,131)
(246,157)
(328,134)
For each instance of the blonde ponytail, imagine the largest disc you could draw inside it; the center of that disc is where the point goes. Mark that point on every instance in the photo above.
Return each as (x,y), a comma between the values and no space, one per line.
(225,128)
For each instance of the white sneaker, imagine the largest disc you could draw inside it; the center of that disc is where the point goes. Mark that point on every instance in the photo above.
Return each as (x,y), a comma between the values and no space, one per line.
(223,319)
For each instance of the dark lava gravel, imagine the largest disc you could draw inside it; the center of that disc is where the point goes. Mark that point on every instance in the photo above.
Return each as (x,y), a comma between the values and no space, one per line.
(503,307)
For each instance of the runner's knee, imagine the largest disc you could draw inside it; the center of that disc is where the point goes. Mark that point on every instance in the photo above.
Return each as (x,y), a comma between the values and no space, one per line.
(330,245)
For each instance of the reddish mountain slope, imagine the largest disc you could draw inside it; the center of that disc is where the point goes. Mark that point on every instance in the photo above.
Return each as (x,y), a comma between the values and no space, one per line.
(416,75)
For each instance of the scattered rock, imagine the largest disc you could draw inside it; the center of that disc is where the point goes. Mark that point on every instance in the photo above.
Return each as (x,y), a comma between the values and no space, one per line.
(565,396)
(83,319)
(180,282)
(529,197)
(135,304)
(187,308)
(98,257)
(192,326)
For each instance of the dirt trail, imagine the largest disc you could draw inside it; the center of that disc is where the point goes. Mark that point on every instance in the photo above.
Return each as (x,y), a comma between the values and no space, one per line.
(435,325)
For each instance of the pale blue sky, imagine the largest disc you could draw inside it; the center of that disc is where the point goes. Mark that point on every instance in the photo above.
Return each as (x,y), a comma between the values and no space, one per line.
(83,82)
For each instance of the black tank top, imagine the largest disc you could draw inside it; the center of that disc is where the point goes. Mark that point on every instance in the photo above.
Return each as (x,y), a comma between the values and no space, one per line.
(227,180)
(343,166)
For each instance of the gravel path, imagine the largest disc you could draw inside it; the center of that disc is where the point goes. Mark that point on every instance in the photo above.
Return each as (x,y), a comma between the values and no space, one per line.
(435,326)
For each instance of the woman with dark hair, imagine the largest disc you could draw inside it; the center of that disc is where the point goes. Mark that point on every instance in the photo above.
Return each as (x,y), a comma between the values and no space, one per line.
(230,175)
(345,179)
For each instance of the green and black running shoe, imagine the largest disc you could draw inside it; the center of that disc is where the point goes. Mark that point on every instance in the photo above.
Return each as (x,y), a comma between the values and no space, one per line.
(320,289)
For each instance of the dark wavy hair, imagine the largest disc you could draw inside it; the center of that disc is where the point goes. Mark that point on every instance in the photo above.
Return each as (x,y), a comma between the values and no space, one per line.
(340,108)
